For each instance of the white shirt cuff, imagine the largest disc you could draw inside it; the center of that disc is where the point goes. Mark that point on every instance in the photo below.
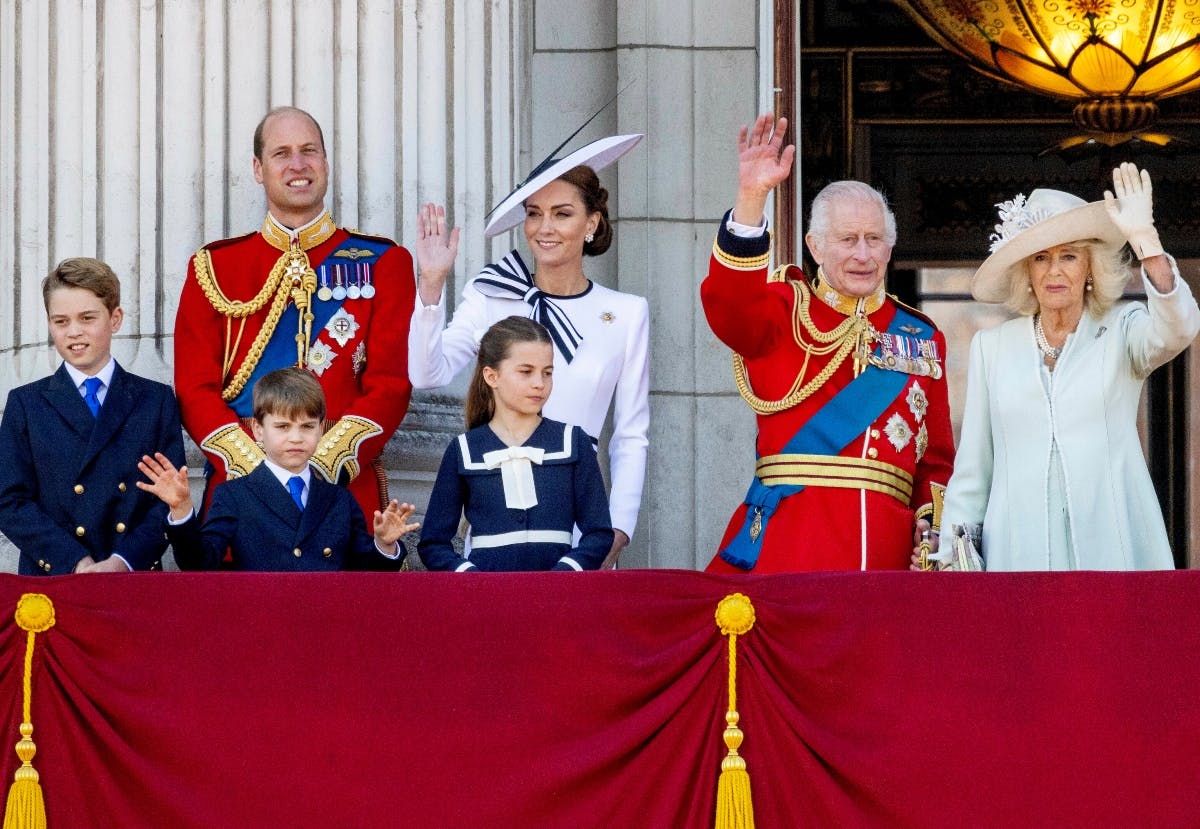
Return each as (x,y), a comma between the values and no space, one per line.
(173,523)
(746,231)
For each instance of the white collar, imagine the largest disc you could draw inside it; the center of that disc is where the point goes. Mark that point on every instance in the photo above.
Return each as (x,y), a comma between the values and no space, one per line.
(105,374)
(283,476)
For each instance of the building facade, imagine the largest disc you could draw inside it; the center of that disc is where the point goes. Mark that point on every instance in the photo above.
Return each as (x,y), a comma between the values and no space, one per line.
(125,134)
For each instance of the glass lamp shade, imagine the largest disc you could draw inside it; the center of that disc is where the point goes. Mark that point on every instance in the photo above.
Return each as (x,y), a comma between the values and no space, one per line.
(1115,57)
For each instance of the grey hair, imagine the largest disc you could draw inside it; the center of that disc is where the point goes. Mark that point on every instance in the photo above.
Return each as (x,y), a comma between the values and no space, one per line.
(849,190)
(1109,268)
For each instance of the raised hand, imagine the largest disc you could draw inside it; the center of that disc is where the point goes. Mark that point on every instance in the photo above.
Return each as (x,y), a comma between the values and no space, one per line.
(436,251)
(1132,209)
(168,483)
(393,523)
(763,162)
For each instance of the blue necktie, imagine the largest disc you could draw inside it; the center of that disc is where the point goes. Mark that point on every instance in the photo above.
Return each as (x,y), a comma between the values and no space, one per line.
(296,487)
(91,387)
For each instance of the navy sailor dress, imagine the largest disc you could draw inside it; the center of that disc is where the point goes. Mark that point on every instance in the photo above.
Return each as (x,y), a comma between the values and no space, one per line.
(522,503)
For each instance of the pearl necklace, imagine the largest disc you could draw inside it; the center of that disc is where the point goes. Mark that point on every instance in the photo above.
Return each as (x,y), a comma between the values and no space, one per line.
(1043,344)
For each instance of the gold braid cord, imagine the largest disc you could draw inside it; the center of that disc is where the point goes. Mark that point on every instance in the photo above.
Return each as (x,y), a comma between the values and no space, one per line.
(338,449)
(735,810)
(276,289)
(842,340)
(26,808)
(240,452)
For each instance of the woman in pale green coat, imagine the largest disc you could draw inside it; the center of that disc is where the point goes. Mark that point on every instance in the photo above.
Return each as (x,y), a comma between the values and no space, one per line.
(1050,462)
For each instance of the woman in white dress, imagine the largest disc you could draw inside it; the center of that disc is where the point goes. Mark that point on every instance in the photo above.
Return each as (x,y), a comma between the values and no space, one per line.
(1049,460)
(601,354)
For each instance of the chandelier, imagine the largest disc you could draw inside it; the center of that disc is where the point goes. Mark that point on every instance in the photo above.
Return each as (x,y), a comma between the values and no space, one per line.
(1115,58)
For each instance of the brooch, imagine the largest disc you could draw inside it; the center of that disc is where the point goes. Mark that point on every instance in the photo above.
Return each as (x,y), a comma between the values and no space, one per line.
(607,317)
(358,360)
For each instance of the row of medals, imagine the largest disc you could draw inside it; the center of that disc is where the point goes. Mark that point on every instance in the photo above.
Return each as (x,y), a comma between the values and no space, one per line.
(361,285)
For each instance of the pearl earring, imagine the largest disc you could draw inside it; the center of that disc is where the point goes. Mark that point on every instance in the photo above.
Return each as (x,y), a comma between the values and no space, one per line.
(1088,285)
(589,238)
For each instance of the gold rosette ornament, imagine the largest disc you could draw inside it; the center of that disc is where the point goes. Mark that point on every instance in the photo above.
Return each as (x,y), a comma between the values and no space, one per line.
(735,617)
(25,808)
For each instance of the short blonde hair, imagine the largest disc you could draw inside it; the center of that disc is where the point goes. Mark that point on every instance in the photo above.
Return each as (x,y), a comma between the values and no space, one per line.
(1109,269)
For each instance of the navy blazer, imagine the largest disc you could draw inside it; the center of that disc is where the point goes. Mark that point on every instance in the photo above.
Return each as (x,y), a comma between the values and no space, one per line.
(256,519)
(67,479)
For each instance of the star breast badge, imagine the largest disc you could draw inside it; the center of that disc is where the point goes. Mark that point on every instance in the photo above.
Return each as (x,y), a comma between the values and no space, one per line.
(342,327)
(320,355)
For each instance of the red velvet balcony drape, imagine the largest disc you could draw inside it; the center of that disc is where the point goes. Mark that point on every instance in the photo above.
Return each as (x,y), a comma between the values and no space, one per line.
(597,699)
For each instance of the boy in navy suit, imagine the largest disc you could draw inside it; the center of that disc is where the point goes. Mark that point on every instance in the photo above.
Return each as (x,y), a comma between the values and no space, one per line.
(280,516)
(70,443)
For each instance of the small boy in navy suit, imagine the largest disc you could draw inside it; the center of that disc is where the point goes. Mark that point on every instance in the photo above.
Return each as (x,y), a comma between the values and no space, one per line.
(70,443)
(280,516)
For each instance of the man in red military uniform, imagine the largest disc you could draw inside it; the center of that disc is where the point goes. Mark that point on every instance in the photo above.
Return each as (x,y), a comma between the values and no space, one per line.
(854,440)
(300,291)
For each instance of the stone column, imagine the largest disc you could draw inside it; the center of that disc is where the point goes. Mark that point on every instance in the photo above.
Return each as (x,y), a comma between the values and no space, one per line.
(695,69)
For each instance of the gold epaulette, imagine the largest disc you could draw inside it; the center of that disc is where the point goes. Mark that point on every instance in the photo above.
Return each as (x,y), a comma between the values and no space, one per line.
(338,449)
(780,274)
(241,454)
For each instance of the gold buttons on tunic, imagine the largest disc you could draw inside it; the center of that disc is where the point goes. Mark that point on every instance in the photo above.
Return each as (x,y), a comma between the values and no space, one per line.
(79,531)
(120,527)
(327,552)
(46,566)
(78,489)
(872,452)
(296,552)
(874,434)
(121,486)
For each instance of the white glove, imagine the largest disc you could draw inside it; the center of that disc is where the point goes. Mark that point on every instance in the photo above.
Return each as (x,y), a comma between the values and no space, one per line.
(1132,210)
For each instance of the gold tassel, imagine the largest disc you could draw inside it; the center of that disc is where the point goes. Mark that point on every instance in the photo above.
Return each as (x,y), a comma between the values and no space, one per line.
(735,617)
(26,808)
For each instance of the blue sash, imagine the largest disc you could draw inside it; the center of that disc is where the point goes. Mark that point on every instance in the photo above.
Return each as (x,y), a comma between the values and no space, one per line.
(280,350)
(828,432)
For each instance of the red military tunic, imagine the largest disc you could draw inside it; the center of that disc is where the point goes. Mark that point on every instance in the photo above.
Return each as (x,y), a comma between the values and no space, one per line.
(864,521)
(360,355)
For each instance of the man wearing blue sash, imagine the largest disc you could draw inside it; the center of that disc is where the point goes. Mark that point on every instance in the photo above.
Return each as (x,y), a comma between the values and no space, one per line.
(854,441)
(300,291)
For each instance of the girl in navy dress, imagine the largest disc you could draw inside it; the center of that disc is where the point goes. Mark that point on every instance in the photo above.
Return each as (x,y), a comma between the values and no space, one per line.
(524,481)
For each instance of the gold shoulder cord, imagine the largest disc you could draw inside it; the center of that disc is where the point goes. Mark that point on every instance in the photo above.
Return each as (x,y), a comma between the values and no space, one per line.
(841,339)
(232,309)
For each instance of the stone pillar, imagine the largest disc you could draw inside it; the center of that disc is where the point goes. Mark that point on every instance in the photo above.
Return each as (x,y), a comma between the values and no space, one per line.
(694,65)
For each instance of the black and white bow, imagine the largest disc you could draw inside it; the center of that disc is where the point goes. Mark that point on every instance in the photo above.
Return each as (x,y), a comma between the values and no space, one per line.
(509,277)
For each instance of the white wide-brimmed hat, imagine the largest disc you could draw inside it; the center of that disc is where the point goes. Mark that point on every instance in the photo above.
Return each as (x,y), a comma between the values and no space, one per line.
(1047,218)
(597,155)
